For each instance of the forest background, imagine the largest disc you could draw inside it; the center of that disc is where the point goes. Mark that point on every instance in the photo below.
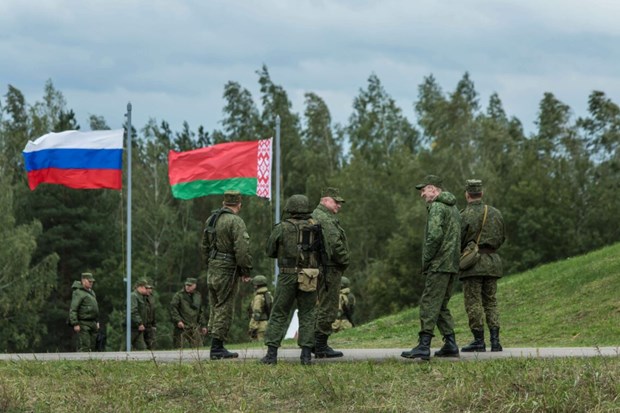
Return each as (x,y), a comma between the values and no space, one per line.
(557,187)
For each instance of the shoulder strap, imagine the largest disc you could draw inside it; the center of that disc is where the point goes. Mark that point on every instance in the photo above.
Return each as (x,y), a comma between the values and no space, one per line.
(484,220)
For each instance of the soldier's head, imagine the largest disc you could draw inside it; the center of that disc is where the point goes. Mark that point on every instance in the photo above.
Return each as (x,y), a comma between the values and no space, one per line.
(232,200)
(331,199)
(297,204)
(87,280)
(344,282)
(190,284)
(430,187)
(259,281)
(142,286)
(473,189)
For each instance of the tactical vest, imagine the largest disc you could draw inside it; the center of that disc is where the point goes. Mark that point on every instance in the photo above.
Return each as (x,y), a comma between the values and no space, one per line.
(300,244)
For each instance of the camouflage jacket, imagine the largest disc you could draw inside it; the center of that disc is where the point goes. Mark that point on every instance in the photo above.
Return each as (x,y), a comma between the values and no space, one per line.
(335,237)
(139,311)
(491,239)
(84,305)
(188,308)
(261,304)
(232,239)
(441,249)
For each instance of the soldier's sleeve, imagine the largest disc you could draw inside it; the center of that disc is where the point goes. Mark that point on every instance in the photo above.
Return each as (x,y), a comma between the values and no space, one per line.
(136,320)
(73,310)
(257,306)
(175,316)
(242,247)
(204,245)
(271,248)
(203,313)
(434,234)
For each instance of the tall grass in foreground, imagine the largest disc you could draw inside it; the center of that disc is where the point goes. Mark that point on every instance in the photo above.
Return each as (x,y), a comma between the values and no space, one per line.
(513,385)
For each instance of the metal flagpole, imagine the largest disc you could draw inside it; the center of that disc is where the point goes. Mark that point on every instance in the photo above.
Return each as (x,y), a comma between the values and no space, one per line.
(278,179)
(128,278)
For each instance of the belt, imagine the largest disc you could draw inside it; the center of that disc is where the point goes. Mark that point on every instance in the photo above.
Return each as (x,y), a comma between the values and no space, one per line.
(224,256)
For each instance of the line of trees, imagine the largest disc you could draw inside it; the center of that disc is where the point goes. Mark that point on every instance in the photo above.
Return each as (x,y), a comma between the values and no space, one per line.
(557,188)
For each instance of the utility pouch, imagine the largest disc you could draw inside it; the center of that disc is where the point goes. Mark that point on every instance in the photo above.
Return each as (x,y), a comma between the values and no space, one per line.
(469,256)
(307,279)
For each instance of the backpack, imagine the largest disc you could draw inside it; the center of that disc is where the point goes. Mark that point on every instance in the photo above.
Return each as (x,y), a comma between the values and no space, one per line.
(301,241)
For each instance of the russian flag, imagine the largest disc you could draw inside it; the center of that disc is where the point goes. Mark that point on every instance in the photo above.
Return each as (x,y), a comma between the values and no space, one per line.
(81,160)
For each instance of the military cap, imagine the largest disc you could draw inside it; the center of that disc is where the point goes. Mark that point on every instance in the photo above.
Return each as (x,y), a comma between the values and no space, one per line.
(191,281)
(473,186)
(88,276)
(333,193)
(143,282)
(259,280)
(430,180)
(232,197)
(345,282)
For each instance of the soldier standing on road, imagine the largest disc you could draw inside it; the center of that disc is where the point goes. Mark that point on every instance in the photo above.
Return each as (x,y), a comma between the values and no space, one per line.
(480,281)
(226,252)
(84,313)
(187,313)
(346,306)
(139,314)
(440,264)
(338,261)
(260,308)
(296,243)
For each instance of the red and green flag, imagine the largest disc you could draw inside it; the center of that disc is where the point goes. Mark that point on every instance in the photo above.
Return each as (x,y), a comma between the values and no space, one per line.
(242,166)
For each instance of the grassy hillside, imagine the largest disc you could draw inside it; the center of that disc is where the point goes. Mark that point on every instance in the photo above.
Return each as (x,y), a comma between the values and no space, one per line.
(575,302)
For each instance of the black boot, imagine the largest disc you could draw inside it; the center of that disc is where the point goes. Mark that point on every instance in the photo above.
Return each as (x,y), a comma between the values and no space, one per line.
(306,356)
(271,357)
(321,349)
(478,343)
(495,344)
(219,352)
(422,350)
(449,348)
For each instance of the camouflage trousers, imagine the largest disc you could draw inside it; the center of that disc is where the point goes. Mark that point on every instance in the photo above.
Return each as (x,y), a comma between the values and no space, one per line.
(137,340)
(434,303)
(479,296)
(223,286)
(190,336)
(87,337)
(286,294)
(328,294)
(150,337)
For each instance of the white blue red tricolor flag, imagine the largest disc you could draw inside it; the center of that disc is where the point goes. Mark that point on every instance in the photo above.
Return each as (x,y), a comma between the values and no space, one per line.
(81,160)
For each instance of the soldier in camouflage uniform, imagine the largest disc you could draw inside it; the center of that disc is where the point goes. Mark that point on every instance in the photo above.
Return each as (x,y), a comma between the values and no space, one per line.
(440,264)
(346,306)
(139,314)
(150,330)
(84,313)
(187,313)
(260,308)
(338,261)
(480,281)
(226,252)
(298,261)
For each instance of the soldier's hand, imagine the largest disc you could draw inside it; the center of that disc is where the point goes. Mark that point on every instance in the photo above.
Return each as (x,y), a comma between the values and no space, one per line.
(246,278)
(180,324)
(76,328)
(97,325)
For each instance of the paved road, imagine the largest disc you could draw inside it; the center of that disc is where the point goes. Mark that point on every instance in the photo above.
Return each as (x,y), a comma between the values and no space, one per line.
(290,354)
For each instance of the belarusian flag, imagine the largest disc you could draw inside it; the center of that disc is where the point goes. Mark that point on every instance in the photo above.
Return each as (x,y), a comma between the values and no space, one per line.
(241,166)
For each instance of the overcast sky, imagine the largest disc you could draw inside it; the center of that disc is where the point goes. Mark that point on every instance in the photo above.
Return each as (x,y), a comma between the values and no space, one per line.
(171,59)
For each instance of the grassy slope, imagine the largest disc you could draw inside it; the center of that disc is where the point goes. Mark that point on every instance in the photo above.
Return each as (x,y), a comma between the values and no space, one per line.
(575,302)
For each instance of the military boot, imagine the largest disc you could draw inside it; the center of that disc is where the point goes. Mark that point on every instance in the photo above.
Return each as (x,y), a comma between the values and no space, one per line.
(271,357)
(218,351)
(422,350)
(495,344)
(478,343)
(306,356)
(322,350)
(449,348)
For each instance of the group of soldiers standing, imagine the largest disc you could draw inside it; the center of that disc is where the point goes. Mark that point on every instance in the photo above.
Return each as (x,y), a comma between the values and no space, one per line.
(312,254)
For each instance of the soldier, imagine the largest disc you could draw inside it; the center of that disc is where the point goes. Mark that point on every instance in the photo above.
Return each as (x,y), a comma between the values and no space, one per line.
(484,225)
(150,330)
(84,312)
(296,243)
(338,261)
(440,264)
(187,313)
(346,306)
(226,252)
(139,314)
(260,308)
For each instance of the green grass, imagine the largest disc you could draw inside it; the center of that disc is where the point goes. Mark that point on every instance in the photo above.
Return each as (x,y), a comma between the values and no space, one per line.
(570,303)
